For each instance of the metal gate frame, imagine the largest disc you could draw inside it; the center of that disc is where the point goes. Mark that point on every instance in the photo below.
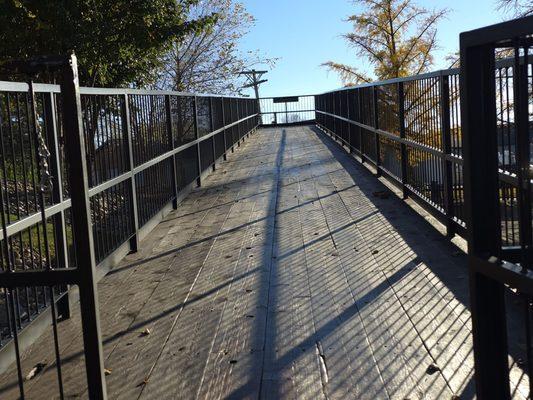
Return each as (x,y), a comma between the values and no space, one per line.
(490,273)
(84,275)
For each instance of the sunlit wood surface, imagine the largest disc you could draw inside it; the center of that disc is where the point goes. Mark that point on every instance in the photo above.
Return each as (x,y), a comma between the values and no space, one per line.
(291,273)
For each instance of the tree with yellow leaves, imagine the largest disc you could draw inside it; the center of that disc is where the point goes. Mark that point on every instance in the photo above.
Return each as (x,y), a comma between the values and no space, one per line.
(396,37)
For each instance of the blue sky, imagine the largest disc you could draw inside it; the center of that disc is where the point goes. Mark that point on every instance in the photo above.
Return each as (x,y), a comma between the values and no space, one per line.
(306,33)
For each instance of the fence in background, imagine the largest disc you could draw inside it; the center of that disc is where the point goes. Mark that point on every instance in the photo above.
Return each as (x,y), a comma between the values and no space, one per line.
(287,110)
(143,150)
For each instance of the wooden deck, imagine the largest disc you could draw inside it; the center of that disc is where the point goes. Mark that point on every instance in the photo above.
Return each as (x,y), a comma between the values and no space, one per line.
(288,274)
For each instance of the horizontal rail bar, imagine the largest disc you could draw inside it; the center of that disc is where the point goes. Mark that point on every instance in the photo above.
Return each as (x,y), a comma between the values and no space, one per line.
(277,97)
(286,112)
(497,33)
(505,272)
(506,62)
(35,218)
(63,276)
(505,176)
(6,86)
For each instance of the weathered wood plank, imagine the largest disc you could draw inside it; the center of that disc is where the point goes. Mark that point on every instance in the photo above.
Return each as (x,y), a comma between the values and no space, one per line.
(282,277)
(342,342)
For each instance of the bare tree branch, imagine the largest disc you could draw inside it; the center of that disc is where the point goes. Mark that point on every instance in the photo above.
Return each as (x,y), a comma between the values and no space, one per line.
(210,61)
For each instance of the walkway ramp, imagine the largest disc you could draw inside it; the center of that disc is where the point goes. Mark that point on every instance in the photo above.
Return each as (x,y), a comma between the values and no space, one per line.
(297,275)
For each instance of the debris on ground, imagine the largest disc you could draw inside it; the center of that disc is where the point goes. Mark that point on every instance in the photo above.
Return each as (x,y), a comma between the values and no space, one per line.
(36,370)
(146,332)
(431,369)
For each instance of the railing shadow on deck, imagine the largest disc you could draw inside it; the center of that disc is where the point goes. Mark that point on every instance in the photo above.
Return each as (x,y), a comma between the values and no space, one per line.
(387,208)
(416,239)
(326,329)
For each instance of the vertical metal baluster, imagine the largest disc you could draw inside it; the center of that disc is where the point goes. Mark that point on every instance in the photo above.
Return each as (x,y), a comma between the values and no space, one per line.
(9,295)
(528,315)
(376,126)
(360,120)
(197,136)
(212,128)
(446,146)
(224,131)
(60,236)
(521,118)
(73,128)
(134,240)
(44,185)
(18,201)
(403,147)
(168,109)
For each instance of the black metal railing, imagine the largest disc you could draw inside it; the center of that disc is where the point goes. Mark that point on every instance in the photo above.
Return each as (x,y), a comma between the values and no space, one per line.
(142,151)
(496,109)
(287,110)
(410,130)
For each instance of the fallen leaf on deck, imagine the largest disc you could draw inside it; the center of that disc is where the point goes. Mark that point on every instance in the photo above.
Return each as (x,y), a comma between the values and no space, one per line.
(432,369)
(35,371)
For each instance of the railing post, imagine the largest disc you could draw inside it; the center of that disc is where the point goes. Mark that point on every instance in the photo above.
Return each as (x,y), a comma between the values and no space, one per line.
(232,114)
(333,111)
(403,147)
(259,120)
(349,125)
(83,232)
(168,110)
(480,149)
(224,131)
(376,126)
(197,136)
(338,124)
(134,240)
(238,126)
(521,98)
(446,150)
(60,237)
(212,128)
(359,129)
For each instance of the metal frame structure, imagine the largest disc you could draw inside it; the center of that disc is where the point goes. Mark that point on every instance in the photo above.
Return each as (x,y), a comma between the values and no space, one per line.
(152,146)
(434,97)
(288,110)
(381,130)
(490,272)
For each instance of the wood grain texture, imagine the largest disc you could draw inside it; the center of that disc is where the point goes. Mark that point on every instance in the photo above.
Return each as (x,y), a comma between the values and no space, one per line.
(283,276)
